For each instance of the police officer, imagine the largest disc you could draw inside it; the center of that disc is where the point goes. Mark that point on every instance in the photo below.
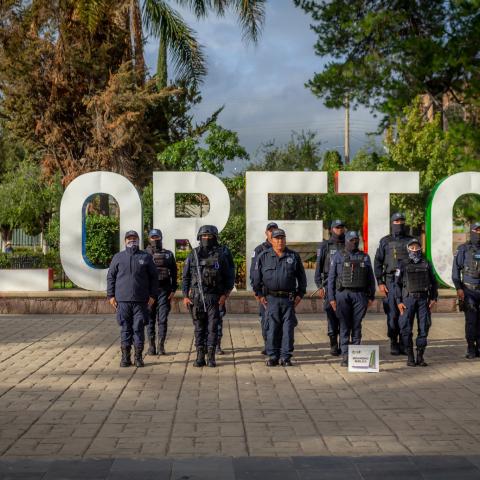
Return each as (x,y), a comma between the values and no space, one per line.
(391,249)
(267,244)
(351,290)
(279,281)
(207,282)
(416,291)
(325,252)
(132,287)
(466,278)
(164,260)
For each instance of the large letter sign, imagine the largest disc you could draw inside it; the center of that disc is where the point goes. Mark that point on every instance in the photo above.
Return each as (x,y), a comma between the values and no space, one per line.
(167,184)
(440,220)
(72,223)
(259,185)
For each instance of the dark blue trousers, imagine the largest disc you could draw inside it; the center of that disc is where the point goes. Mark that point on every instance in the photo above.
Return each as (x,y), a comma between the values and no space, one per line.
(472,315)
(132,318)
(351,308)
(205,321)
(222,312)
(281,325)
(333,323)
(262,314)
(159,314)
(391,310)
(416,306)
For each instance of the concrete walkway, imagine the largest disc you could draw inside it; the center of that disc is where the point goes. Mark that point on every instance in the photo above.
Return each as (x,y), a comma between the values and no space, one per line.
(63,395)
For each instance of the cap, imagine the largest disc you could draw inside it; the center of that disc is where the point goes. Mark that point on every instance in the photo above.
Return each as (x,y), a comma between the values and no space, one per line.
(350,235)
(131,233)
(278,233)
(337,223)
(475,226)
(398,216)
(271,225)
(413,241)
(155,232)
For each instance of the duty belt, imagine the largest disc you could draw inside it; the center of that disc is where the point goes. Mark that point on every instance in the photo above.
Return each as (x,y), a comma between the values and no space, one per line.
(280,293)
(472,286)
(354,289)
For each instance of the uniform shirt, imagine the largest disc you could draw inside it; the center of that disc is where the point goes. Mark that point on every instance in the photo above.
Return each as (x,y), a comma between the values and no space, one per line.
(258,250)
(336,270)
(321,277)
(399,276)
(132,277)
(171,264)
(458,266)
(380,256)
(231,266)
(226,279)
(279,273)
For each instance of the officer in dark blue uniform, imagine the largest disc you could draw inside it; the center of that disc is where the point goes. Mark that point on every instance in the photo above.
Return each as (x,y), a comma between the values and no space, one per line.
(258,250)
(279,281)
(416,291)
(351,290)
(207,282)
(132,287)
(164,260)
(391,249)
(466,278)
(325,252)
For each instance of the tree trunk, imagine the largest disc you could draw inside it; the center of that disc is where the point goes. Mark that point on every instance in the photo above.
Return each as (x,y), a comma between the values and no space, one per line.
(6,236)
(162,71)
(137,41)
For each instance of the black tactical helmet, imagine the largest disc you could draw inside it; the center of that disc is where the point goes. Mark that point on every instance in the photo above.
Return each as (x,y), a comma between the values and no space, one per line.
(207,230)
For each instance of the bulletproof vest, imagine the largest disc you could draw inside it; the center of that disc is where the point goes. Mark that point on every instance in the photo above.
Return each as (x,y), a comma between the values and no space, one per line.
(332,249)
(471,266)
(354,273)
(396,249)
(160,261)
(417,279)
(209,270)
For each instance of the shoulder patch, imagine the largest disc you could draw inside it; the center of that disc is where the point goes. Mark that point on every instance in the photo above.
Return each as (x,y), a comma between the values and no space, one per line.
(397,272)
(253,254)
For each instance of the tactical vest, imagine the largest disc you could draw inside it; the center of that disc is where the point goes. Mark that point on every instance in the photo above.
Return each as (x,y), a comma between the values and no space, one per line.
(160,261)
(395,250)
(354,274)
(332,249)
(471,266)
(417,278)
(209,270)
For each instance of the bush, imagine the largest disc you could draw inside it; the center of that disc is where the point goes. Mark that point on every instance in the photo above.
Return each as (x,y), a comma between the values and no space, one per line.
(102,239)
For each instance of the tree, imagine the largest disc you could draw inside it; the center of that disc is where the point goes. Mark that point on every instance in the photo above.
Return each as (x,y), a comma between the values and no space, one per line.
(382,54)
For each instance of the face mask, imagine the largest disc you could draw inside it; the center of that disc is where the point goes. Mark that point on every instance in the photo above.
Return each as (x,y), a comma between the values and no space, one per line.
(156,244)
(207,242)
(415,256)
(338,238)
(398,228)
(133,244)
(352,245)
(475,238)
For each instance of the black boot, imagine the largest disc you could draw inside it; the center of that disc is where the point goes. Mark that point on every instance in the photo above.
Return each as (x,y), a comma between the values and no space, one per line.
(271,362)
(151,349)
(344,362)
(200,361)
(219,347)
(401,347)
(411,357)
(211,357)
(126,361)
(420,361)
(161,346)
(334,350)
(471,354)
(139,357)
(394,347)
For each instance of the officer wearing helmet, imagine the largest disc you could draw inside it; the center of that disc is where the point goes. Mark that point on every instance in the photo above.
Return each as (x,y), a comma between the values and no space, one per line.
(207,281)
(167,285)
(351,290)
(416,291)
(325,252)
(466,278)
(391,249)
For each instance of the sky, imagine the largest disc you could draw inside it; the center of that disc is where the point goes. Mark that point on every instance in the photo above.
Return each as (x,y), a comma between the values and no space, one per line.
(263,86)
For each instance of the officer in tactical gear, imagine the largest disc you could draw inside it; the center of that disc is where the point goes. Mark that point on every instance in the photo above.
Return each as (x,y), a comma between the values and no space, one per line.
(207,282)
(279,281)
(132,287)
(466,278)
(167,285)
(351,290)
(416,291)
(391,249)
(267,244)
(325,252)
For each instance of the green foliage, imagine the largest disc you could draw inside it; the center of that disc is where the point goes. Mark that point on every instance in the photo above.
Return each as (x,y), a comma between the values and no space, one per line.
(102,239)
(233,235)
(52,233)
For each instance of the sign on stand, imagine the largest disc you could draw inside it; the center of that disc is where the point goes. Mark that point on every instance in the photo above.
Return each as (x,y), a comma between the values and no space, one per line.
(364,358)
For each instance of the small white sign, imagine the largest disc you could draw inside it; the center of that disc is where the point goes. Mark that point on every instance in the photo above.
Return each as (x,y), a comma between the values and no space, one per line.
(364,358)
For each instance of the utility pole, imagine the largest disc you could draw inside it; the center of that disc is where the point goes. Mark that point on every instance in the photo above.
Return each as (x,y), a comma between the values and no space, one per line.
(347,131)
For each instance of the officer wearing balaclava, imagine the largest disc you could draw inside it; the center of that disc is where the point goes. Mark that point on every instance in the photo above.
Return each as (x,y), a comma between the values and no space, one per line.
(466,278)
(391,250)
